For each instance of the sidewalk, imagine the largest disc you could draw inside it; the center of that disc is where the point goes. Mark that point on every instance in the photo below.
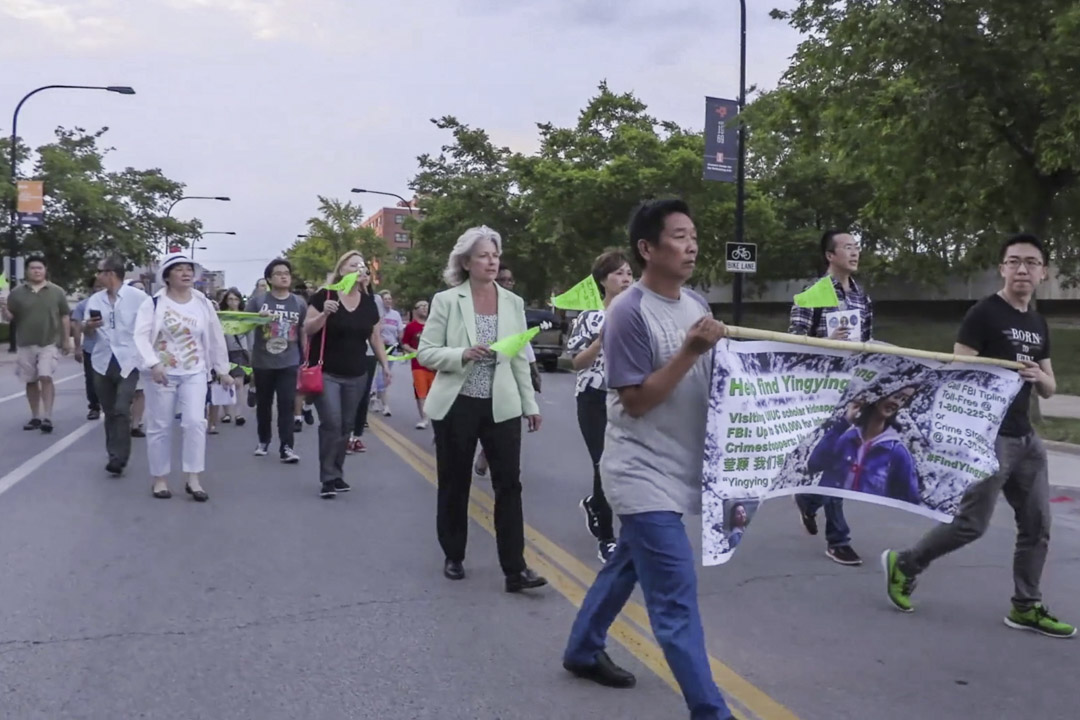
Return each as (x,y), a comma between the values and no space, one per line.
(1061,406)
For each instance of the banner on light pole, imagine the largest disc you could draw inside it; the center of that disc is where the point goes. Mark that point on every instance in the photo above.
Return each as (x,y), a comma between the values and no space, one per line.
(30,208)
(721,140)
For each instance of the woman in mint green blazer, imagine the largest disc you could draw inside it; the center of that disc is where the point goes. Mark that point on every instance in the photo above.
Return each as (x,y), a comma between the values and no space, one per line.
(478,396)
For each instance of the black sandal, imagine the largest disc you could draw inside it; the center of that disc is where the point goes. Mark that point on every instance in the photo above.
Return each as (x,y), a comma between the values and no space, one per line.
(164,494)
(198,495)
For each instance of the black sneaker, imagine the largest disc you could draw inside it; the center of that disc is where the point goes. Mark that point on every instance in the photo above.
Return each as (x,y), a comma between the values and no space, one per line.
(328,492)
(309,415)
(298,425)
(592,520)
(46,426)
(843,555)
(34,424)
(138,432)
(94,414)
(342,486)
(809,521)
(114,468)
(289,456)
(606,550)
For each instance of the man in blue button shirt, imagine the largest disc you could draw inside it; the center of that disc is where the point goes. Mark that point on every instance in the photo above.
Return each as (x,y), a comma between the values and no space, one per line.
(110,321)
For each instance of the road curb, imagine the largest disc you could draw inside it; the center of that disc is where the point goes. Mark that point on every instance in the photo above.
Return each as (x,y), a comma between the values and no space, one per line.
(1063,447)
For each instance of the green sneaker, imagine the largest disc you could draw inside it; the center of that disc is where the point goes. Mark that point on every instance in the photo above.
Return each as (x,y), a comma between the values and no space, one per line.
(898,586)
(1038,619)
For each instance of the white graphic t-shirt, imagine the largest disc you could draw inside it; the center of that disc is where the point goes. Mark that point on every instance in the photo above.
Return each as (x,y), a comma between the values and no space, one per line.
(178,342)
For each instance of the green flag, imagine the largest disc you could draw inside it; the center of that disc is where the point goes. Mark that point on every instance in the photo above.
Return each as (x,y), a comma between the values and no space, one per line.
(583,296)
(3,282)
(241,323)
(821,294)
(515,343)
(345,284)
(401,358)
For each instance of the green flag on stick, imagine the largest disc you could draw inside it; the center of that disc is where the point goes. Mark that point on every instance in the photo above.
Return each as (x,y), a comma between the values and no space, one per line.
(515,343)
(345,284)
(401,358)
(247,370)
(821,294)
(241,323)
(3,282)
(583,296)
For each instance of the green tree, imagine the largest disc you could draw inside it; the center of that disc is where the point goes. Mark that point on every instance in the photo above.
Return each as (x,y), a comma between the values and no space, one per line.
(469,183)
(333,232)
(91,212)
(962,117)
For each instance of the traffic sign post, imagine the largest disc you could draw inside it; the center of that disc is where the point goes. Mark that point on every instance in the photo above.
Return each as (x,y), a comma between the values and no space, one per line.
(741,259)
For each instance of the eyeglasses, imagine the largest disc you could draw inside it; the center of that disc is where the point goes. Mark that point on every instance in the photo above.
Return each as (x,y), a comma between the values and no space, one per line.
(1030,263)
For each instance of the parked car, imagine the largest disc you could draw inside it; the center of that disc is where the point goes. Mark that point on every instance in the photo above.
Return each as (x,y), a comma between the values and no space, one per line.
(551,340)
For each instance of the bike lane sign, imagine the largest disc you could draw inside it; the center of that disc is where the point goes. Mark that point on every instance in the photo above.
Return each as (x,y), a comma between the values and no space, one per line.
(741,257)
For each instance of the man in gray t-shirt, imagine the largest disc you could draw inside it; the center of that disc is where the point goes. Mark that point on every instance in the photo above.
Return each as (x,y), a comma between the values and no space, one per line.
(276,353)
(658,341)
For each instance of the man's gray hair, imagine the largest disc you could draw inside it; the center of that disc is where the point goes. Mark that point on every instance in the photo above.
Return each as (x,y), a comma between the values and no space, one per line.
(455,273)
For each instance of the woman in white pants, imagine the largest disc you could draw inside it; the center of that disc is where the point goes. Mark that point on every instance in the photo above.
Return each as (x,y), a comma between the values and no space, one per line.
(181,345)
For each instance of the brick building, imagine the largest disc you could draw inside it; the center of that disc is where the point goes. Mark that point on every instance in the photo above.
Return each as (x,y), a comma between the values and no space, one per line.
(389,224)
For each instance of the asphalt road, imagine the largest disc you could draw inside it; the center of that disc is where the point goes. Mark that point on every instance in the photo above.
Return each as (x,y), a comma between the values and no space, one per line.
(270,603)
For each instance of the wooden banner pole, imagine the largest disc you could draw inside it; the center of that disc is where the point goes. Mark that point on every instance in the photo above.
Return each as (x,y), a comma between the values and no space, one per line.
(743,333)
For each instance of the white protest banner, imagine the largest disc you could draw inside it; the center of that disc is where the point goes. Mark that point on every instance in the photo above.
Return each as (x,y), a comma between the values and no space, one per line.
(893,430)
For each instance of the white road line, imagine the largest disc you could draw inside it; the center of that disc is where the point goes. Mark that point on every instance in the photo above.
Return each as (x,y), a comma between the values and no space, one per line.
(12,478)
(15,396)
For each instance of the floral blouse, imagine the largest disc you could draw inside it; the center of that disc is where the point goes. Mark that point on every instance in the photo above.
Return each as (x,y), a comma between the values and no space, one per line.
(585,330)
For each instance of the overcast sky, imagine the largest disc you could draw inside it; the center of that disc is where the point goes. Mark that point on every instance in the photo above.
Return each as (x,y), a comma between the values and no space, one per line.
(274,102)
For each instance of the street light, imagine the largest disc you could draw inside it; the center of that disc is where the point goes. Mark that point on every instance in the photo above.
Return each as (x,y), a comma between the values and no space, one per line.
(13,239)
(168,213)
(740,178)
(208,232)
(388,194)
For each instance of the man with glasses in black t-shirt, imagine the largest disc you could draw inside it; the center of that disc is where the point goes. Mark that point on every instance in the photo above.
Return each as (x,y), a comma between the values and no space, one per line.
(1002,326)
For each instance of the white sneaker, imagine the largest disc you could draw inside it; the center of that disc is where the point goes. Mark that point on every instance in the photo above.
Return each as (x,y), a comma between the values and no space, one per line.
(422,425)
(289,456)
(386,410)
(261,449)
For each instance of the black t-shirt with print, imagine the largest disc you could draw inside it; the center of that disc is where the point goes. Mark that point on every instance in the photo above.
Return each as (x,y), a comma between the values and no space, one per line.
(347,335)
(996,329)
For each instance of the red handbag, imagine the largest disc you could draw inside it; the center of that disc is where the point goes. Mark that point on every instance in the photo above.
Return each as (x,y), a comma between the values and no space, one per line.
(309,381)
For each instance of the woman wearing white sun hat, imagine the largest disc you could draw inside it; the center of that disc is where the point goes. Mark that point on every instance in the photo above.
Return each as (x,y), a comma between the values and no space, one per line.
(182,346)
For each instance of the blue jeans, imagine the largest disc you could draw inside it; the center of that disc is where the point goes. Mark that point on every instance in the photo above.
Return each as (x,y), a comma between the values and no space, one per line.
(653,548)
(837,532)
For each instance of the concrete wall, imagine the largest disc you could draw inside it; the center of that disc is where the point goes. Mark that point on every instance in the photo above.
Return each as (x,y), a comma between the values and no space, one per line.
(973,288)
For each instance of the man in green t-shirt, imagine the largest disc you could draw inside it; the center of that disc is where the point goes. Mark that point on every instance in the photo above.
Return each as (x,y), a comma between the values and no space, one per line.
(42,329)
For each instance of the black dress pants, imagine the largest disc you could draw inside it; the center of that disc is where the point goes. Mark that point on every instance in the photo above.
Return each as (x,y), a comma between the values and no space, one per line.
(469,421)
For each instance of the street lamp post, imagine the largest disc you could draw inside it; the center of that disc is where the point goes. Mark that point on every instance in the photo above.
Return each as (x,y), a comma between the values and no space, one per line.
(208,232)
(13,238)
(740,177)
(168,213)
(388,194)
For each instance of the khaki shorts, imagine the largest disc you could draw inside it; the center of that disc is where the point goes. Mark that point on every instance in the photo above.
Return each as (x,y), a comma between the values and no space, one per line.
(34,362)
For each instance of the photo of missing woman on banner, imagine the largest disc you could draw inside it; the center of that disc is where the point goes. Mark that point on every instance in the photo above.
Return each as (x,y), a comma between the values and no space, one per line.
(877,441)
(738,512)
(863,449)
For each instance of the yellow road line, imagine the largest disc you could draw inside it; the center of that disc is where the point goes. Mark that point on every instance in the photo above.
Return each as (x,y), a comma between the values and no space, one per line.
(640,643)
